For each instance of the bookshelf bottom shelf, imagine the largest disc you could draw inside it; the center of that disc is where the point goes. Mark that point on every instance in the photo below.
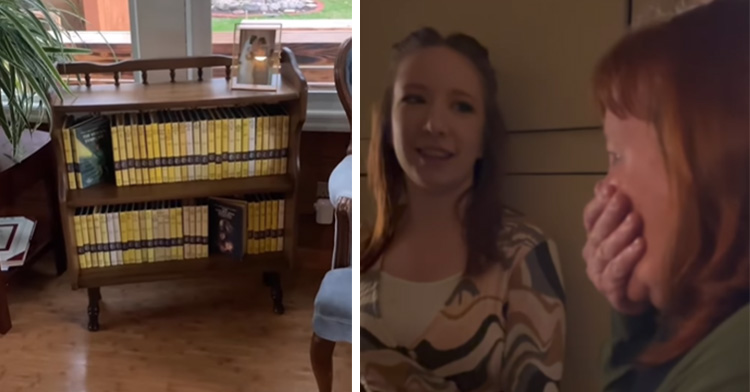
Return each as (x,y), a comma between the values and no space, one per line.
(176,269)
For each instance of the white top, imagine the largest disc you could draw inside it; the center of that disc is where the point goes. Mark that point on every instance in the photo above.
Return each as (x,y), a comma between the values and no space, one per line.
(340,181)
(408,308)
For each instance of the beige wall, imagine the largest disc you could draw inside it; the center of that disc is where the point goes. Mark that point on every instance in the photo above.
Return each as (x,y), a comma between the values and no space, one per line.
(544,53)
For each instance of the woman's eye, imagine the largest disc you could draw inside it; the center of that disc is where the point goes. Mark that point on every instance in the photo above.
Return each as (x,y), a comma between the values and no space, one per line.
(412,99)
(464,107)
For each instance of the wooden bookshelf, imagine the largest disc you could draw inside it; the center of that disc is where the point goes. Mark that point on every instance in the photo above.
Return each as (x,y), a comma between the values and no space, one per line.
(198,94)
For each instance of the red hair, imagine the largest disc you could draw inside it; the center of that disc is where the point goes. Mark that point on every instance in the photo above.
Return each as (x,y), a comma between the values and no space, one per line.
(689,77)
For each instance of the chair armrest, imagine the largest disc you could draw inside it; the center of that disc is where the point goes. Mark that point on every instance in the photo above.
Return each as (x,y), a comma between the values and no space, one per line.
(342,252)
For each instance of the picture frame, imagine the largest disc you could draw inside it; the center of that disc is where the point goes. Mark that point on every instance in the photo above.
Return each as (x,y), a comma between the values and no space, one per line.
(257,56)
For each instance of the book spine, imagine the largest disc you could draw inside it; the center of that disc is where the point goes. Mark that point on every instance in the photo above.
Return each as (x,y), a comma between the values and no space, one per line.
(91,228)
(69,162)
(224,124)
(111,237)
(137,159)
(285,131)
(239,150)
(185,232)
(77,225)
(116,159)
(117,243)
(145,158)
(103,234)
(125,234)
(282,218)
(276,222)
(178,225)
(152,151)
(163,153)
(252,154)
(184,155)
(83,223)
(211,149)
(245,157)
(203,224)
(273,146)
(170,151)
(149,233)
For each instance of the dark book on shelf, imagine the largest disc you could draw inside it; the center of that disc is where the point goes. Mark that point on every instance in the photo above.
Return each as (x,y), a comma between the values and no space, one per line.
(227,230)
(93,147)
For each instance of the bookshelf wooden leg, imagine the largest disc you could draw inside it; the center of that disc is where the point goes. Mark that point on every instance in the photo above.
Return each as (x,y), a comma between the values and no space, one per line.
(5,323)
(273,280)
(94,297)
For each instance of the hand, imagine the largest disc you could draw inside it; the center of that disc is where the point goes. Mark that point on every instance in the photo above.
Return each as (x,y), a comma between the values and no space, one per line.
(614,246)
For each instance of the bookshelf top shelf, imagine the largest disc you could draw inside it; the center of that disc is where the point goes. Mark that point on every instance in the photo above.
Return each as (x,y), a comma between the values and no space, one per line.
(106,194)
(211,92)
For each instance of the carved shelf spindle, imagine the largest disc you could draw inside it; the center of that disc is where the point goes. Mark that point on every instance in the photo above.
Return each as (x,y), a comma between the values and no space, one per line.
(144,75)
(228,72)
(87,76)
(200,74)
(171,75)
(117,78)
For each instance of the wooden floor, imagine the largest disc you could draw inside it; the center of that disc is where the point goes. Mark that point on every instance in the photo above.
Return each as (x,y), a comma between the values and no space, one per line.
(217,333)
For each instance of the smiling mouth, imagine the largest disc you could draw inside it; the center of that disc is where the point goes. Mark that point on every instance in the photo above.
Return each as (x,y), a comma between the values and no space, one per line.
(434,153)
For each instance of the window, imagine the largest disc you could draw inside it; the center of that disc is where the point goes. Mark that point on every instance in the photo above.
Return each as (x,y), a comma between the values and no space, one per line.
(313,29)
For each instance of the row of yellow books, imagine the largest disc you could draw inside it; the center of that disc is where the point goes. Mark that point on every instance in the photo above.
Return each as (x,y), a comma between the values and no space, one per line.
(138,233)
(188,145)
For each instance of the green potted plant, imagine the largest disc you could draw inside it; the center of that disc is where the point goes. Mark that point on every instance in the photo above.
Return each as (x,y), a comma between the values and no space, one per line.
(31,42)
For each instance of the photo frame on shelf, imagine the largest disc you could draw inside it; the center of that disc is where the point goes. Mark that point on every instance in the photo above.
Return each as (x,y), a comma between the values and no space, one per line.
(257,56)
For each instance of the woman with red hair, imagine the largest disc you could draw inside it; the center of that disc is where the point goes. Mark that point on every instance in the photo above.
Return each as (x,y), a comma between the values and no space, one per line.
(668,227)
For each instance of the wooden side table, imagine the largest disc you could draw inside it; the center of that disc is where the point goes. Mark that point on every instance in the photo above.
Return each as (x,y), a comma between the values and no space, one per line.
(27,186)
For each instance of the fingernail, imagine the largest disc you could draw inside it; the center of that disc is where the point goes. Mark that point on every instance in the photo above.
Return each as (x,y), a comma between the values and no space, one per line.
(629,219)
(636,244)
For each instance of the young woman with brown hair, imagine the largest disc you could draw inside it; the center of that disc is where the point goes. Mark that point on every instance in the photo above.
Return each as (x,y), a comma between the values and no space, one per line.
(668,227)
(457,293)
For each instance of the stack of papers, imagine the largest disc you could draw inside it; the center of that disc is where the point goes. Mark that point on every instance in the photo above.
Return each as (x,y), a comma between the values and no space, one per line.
(15,239)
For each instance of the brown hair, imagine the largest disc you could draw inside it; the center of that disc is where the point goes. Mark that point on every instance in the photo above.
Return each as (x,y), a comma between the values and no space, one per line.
(482,218)
(689,77)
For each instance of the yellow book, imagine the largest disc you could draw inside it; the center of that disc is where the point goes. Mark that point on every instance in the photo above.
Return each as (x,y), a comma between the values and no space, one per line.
(68,148)
(282,218)
(195,156)
(136,140)
(194,232)
(178,231)
(185,141)
(125,233)
(178,141)
(77,225)
(111,234)
(270,215)
(248,115)
(261,225)
(260,125)
(244,124)
(185,231)
(104,235)
(83,223)
(158,242)
(152,138)
(204,144)
(122,235)
(172,221)
(150,147)
(166,229)
(115,131)
(76,159)
(149,242)
(285,132)
(143,146)
(227,125)
(127,129)
(257,226)
(268,158)
(240,142)
(99,255)
(273,131)
(163,164)
(224,125)
(119,227)
(118,124)
(169,143)
(276,222)
(211,144)
(91,229)
(203,213)
(137,229)
(220,143)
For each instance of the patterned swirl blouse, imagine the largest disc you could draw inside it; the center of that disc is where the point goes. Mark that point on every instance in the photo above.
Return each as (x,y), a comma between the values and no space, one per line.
(502,331)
